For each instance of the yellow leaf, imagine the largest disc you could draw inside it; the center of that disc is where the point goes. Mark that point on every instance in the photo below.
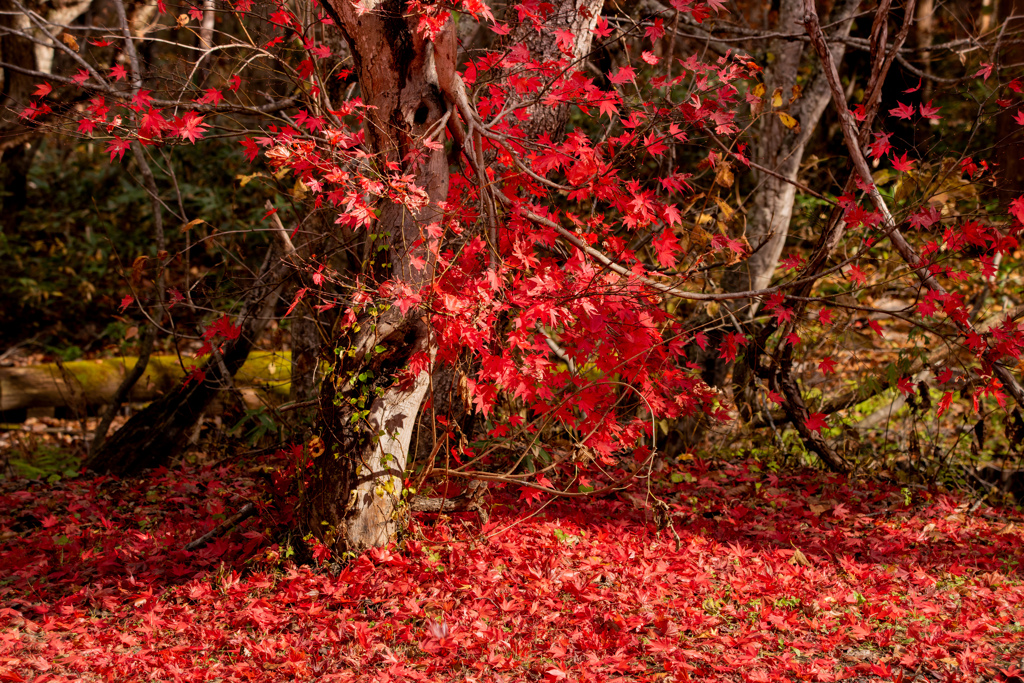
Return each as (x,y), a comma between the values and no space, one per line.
(246,179)
(788,121)
(723,174)
(799,558)
(797,91)
(70,41)
(183,19)
(191,224)
(759,90)
(777,98)
(723,207)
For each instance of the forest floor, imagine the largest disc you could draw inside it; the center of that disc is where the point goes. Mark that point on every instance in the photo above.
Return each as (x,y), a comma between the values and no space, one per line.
(761,577)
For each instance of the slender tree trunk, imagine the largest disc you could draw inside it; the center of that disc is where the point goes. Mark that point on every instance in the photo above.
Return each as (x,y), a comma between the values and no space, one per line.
(305,351)
(925,26)
(367,416)
(781,150)
(1011,144)
(578,17)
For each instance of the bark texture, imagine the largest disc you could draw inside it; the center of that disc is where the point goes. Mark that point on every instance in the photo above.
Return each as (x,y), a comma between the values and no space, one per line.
(781,149)
(770,212)
(578,17)
(97,381)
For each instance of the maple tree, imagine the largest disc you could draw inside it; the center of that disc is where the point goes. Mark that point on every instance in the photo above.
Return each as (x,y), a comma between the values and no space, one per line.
(573,271)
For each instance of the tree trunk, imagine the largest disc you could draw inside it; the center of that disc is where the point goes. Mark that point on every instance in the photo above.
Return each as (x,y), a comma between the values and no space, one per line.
(781,150)
(305,327)
(1011,146)
(159,431)
(578,17)
(305,351)
(96,381)
(367,416)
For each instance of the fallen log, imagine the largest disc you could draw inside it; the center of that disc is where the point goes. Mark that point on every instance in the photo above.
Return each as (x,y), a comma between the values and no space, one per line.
(94,382)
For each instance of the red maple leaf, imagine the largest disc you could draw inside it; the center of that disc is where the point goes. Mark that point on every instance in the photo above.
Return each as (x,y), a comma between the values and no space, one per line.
(530,494)
(251,149)
(856,275)
(625,74)
(930,112)
(211,96)
(666,245)
(945,402)
(142,99)
(117,147)
(655,31)
(601,29)
(903,111)
(816,422)
(222,328)
(190,126)
(881,146)
(196,375)
(1017,208)
(901,164)
(792,262)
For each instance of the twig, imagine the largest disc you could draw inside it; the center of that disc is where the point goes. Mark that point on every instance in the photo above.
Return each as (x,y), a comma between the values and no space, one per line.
(247,511)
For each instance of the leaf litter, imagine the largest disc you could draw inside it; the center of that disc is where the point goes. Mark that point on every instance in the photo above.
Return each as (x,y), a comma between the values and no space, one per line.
(797,576)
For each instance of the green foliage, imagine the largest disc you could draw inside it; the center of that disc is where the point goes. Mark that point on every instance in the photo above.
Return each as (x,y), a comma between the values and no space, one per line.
(86,221)
(47,462)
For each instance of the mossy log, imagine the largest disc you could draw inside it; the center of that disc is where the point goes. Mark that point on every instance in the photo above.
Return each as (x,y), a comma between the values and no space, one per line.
(94,382)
